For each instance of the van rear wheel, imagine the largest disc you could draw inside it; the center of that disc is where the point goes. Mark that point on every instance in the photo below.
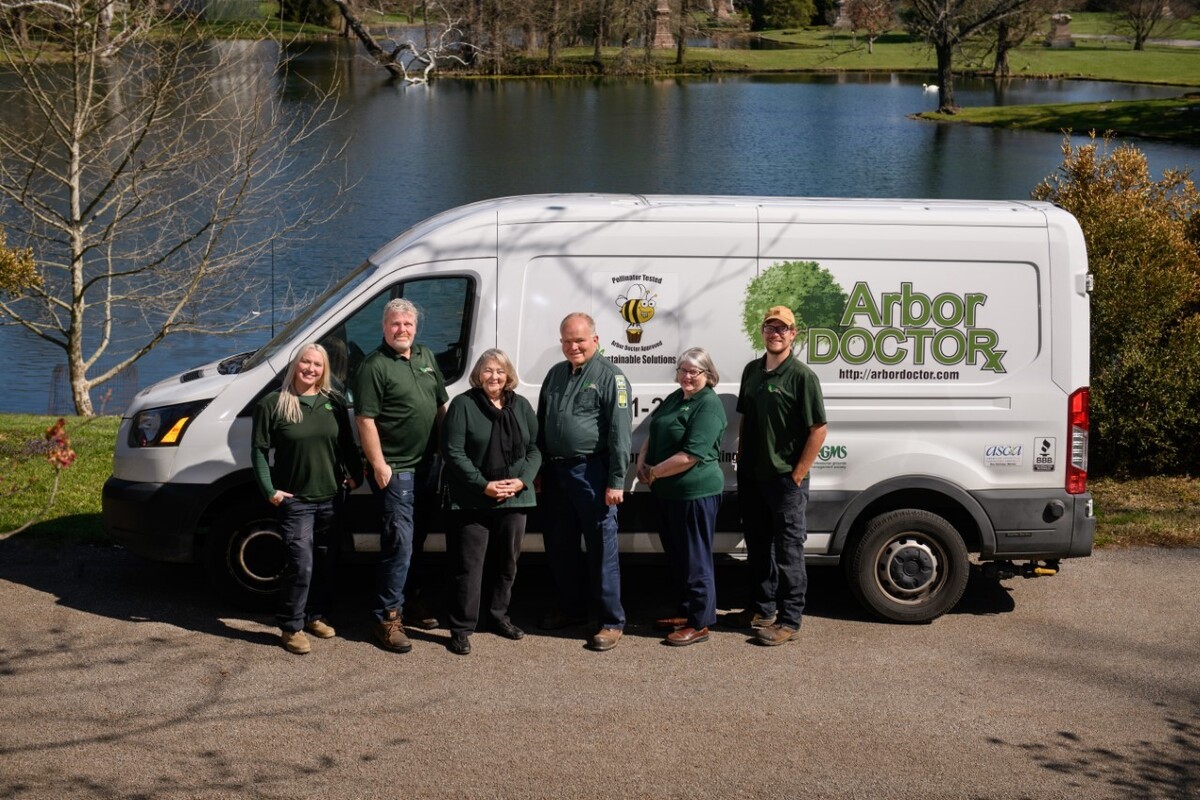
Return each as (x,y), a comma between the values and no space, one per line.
(909,566)
(244,554)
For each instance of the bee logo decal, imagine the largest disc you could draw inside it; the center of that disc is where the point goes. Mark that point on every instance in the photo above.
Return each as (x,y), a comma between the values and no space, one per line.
(636,308)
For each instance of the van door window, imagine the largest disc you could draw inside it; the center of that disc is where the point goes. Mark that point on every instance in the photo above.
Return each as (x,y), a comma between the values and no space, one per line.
(445,305)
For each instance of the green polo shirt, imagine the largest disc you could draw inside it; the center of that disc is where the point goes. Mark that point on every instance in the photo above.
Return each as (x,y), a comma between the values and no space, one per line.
(311,456)
(466,432)
(778,409)
(586,411)
(402,395)
(694,426)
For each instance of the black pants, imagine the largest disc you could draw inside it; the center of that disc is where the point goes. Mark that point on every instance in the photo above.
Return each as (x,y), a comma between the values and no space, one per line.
(482,547)
(774,512)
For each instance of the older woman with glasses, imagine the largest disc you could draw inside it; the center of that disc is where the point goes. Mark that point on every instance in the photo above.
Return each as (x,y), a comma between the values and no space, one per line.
(489,444)
(681,463)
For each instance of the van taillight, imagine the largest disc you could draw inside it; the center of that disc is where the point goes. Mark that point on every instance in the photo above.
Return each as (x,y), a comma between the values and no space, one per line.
(1077,441)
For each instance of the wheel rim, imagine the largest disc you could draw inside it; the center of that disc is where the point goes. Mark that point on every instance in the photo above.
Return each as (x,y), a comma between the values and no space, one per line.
(257,558)
(910,568)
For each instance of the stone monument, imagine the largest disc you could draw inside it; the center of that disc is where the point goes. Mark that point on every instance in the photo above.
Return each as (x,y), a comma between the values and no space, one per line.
(1060,32)
(662,26)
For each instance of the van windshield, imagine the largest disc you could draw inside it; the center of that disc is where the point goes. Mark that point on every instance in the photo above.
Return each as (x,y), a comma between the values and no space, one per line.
(307,314)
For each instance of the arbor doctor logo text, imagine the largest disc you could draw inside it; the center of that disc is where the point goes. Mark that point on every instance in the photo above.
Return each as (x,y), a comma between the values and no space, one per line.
(908,326)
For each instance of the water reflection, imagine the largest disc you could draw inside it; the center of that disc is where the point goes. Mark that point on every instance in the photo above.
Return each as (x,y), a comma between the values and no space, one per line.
(416,150)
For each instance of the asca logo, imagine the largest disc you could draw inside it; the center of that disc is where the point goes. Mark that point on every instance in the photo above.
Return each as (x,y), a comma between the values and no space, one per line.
(1003,450)
(829,452)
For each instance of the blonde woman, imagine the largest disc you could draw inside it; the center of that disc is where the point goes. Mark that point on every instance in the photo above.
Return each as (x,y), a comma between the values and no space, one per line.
(305,423)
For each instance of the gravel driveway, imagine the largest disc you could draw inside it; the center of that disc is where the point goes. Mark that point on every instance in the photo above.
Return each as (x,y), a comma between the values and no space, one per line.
(124,678)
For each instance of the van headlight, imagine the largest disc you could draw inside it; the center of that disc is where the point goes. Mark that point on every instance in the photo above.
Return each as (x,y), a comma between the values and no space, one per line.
(165,426)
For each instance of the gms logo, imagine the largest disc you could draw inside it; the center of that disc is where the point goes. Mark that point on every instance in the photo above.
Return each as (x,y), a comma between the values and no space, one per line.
(832,456)
(1003,455)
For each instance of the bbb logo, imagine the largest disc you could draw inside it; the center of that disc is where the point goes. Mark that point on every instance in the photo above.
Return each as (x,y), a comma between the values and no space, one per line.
(1004,450)
(832,451)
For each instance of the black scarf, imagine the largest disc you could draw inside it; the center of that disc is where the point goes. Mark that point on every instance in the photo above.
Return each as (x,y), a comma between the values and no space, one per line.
(506,445)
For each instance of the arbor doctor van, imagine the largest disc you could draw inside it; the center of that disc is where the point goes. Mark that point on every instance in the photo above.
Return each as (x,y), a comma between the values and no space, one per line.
(951,339)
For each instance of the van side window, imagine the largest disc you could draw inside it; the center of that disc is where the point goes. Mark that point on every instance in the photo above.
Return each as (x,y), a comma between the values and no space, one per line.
(444,326)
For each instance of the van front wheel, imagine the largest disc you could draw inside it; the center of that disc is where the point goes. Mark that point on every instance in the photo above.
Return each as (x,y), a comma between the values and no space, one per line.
(909,566)
(244,554)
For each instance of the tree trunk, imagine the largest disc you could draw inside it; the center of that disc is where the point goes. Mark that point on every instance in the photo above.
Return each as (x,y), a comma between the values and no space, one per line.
(380,55)
(597,52)
(945,74)
(681,46)
(552,34)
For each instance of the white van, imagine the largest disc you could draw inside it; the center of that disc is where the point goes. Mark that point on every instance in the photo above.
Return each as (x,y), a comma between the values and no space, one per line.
(951,340)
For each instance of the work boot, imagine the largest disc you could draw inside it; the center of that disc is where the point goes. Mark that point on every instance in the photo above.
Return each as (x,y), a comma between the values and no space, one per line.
(605,639)
(775,634)
(320,629)
(390,633)
(295,642)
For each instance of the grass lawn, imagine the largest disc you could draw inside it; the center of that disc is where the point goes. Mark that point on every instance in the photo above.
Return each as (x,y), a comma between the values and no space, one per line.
(1100,24)
(1177,119)
(1162,512)
(825,49)
(26,477)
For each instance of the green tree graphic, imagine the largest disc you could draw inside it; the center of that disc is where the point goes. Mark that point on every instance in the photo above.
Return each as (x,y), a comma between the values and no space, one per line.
(805,287)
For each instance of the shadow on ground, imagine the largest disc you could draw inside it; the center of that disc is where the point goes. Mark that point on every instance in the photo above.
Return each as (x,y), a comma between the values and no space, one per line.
(115,583)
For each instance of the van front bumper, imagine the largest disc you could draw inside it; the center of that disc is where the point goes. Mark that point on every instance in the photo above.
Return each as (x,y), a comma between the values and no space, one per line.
(154,520)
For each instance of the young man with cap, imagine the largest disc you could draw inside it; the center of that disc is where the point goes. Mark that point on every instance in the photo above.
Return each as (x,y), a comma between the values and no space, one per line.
(781,431)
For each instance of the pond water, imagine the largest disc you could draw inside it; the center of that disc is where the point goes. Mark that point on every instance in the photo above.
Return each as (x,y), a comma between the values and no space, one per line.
(415,151)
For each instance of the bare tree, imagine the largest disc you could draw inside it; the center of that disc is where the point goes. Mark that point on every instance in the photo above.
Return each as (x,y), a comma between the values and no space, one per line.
(1141,19)
(149,173)
(872,17)
(995,42)
(946,25)
(407,60)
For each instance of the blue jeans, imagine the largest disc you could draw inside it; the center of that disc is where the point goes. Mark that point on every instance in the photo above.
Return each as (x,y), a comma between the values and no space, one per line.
(686,530)
(396,541)
(311,544)
(574,496)
(775,526)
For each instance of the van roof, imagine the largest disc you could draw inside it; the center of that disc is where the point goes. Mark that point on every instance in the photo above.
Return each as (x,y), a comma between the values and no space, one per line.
(473,226)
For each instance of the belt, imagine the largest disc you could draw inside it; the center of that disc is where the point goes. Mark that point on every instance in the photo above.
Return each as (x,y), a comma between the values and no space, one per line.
(574,461)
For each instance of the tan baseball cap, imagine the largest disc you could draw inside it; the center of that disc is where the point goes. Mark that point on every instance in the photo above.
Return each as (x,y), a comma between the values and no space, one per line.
(781,313)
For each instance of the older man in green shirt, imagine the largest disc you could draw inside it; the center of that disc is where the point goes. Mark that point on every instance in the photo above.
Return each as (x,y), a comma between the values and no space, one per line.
(399,397)
(584,430)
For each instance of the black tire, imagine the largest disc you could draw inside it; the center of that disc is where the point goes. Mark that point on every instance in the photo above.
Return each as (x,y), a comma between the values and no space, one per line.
(909,566)
(244,554)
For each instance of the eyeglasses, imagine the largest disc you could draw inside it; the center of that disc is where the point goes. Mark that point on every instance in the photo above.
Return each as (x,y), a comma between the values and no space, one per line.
(777,330)
(690,373)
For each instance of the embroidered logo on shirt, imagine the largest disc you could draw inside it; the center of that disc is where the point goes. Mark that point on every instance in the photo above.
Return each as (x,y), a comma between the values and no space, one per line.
(622,391)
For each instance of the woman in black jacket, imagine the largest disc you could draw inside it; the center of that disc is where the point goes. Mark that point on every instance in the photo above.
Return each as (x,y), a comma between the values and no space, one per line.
(489,445)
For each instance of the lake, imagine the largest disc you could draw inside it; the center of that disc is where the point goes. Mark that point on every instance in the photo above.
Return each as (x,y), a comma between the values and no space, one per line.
(415,151)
